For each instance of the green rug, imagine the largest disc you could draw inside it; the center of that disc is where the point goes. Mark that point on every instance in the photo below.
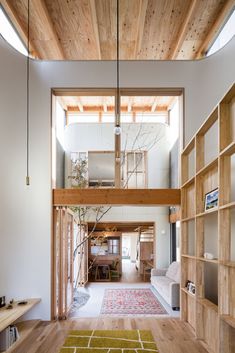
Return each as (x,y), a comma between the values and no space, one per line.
(109,341)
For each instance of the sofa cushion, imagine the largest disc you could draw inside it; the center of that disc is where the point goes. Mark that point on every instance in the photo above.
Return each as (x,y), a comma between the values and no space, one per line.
(173,271)
(162,282)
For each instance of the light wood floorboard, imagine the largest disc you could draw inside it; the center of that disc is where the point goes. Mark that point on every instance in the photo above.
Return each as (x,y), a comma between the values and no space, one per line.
(171,335)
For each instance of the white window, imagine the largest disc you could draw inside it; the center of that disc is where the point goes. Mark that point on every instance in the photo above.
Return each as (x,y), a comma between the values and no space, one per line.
(134,169)
(10,34)
(82,118)
(227,32)
(151,118)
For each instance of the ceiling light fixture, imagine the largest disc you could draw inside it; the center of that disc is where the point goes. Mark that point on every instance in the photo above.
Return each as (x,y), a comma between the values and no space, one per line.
(27,109)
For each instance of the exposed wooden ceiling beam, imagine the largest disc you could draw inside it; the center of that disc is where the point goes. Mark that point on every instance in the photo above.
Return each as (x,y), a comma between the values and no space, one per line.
(219,22)
(80,106)
(111,109)
(95,27)
(13,16)
(154,106)
(140,26)
(105,107)
(183,32)
(40,8)
(124,227)
(116,197)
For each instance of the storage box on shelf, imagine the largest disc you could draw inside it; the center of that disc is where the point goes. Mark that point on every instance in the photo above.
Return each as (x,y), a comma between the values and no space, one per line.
(211,311)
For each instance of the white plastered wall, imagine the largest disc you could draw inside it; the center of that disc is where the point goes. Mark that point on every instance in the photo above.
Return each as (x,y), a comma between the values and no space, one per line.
(25,213)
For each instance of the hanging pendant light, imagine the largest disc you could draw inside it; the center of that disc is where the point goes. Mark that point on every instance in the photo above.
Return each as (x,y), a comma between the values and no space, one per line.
(27,108)
(117,129)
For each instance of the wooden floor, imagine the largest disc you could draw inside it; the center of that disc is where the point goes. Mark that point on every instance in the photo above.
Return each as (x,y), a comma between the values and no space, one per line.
(129,273)
(171,335)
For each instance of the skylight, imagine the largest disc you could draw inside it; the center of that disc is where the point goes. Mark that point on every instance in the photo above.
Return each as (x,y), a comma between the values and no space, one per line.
(227,32)
(9,33)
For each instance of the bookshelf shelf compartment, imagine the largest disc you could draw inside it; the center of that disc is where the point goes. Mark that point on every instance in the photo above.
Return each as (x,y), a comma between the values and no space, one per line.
(214,261)
(208,167)
(189,256)
(227,330)
(188,182)
(229,320)
(207,213)
(207,303)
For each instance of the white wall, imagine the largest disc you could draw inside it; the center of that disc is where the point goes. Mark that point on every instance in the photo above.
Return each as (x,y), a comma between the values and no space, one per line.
(26,211)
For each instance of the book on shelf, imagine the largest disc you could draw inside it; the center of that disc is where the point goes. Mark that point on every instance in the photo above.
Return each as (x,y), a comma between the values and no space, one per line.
(7,337)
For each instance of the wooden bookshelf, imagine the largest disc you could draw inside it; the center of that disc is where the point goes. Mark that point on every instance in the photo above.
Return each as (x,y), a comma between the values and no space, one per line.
(25,328)
(211,311)
(10,316)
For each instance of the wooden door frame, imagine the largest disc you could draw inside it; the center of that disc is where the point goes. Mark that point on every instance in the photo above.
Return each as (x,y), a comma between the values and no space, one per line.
(59,91)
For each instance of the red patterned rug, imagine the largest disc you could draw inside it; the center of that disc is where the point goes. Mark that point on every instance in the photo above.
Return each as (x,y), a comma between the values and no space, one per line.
(131,302)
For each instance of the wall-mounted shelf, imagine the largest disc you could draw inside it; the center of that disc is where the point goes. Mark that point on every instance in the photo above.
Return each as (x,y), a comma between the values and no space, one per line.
(188,219)
(206,213)
(214,261)
(228,205)
(211,311)
(188,256)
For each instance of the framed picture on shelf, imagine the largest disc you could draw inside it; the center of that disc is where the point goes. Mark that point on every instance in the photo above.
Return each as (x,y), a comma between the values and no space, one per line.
(190,287)
(211,199)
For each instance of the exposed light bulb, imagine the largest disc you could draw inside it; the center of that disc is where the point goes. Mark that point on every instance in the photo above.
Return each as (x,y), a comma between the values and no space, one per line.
(117,130)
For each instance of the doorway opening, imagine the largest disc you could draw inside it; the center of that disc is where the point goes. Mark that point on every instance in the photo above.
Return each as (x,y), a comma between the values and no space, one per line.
(87,154)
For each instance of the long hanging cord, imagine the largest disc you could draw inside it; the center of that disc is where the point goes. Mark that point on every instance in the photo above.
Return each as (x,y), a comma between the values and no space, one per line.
(27,113)
(118,88)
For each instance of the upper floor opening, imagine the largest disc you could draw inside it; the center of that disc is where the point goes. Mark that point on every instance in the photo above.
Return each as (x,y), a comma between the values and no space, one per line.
(89,152)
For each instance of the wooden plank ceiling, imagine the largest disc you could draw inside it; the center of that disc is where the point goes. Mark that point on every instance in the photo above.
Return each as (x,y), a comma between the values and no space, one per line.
(149,29)
(106,104)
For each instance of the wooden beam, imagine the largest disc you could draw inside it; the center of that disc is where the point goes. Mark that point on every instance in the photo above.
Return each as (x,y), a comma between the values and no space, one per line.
(110,109)
(40,8)
(120,226)
(105,107)
(181,36)
(80,106)
(129,107)
(140,28)
(116,197)
(215,29)
(100,117)
(133,117)
(95,27)
(13,16)
(154,106)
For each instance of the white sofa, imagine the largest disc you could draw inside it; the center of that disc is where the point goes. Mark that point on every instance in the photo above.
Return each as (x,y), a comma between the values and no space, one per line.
(167,283)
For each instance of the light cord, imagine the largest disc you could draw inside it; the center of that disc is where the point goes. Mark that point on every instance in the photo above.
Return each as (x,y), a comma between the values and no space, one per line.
(27,109)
